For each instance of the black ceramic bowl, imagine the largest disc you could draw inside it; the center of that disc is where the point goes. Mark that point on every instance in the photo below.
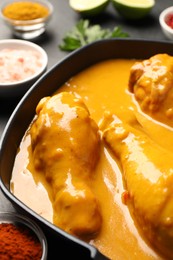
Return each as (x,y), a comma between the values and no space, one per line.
(59,242)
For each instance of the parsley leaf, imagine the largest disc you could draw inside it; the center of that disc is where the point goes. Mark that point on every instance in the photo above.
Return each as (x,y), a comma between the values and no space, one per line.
(83,33)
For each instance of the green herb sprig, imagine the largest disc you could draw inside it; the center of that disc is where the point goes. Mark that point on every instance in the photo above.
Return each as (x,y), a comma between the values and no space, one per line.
(83,33)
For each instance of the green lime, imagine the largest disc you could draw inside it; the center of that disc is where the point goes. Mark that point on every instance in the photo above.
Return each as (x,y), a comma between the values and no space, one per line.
(88,7)
(133,9)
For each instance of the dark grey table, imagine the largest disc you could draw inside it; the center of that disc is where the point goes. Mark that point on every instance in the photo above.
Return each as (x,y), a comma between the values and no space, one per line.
(64,18)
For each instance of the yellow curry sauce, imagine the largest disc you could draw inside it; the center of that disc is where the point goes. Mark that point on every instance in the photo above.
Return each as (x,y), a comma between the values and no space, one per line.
(103,87)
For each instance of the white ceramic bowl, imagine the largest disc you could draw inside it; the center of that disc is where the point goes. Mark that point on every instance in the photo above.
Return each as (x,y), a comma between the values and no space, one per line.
(17,87)
(27,29)
(163,18)
(25,223)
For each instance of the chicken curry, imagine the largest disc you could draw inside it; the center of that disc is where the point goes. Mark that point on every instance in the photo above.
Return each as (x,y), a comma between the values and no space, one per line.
(97,158)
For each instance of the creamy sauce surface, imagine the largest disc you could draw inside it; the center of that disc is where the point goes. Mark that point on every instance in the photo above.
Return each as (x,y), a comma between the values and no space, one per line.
(103,87)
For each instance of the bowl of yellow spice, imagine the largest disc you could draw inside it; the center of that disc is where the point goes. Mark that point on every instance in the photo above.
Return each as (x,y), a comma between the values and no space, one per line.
(26,18)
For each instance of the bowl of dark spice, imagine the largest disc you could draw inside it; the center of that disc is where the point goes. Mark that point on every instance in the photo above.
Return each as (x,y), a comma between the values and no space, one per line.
(26,18)
(21,238)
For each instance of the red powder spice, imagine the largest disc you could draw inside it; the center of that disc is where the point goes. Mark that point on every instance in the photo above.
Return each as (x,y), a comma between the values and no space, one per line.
(169,20)
(18,243)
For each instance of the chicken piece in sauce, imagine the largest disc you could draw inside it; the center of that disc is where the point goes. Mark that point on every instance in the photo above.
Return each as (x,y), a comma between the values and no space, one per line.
(147,166)
(65,148)
(151,82)
(147,171)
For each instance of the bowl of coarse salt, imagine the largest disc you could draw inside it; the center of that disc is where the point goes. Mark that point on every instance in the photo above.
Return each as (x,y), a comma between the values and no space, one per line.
(21,64)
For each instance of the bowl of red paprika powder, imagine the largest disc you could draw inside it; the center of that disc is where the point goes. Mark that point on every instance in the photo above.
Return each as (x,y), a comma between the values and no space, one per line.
(21,238)
(166,22)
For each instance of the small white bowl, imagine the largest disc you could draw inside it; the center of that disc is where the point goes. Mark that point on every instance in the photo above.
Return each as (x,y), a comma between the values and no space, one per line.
(18,87)
(27,29)
(167,30)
